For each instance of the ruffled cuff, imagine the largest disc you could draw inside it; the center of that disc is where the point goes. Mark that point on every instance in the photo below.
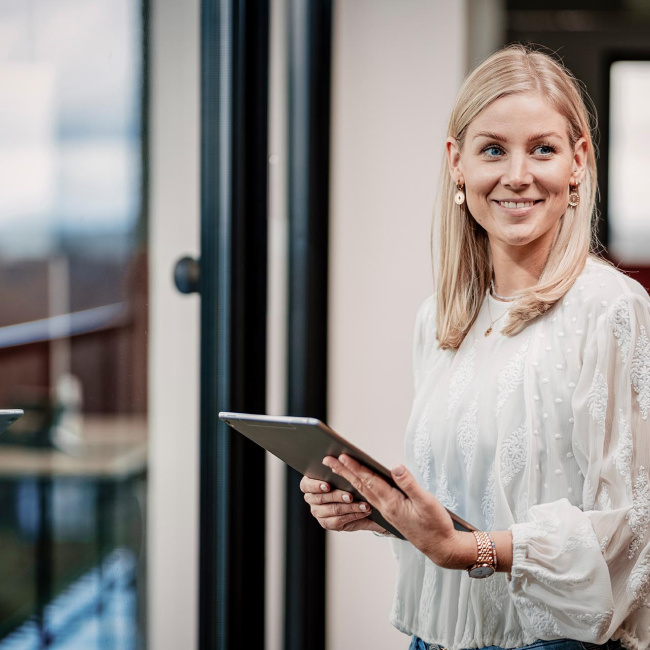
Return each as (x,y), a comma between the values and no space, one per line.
(559,581)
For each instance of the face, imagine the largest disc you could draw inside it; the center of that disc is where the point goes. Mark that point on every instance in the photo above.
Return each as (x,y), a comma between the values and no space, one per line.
(517,164)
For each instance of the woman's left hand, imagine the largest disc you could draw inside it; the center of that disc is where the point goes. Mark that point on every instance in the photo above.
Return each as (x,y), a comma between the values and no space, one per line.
(414,511)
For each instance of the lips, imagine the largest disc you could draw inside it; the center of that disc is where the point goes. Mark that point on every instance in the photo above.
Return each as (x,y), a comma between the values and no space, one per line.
(512,204)
(519,203)
(522,207)
(519,208)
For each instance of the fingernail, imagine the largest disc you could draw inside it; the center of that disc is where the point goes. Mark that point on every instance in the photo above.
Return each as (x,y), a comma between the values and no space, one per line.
(346,498)
(342,460)
(323,487)
(399,470)
(363,507)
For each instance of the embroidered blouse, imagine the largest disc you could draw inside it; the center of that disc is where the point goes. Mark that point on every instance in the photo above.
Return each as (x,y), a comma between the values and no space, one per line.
(547,434)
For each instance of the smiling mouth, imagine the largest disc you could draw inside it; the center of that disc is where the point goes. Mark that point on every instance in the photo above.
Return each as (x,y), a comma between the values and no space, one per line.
(518,204)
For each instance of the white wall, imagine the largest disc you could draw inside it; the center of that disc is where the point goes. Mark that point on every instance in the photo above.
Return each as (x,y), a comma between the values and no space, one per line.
(396,69)
(276,387)
(174,328)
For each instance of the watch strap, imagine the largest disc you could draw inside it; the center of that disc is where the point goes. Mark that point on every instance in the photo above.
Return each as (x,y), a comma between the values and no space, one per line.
(487,552)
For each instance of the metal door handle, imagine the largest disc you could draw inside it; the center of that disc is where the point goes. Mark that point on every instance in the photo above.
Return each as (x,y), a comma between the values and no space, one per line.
(187,275)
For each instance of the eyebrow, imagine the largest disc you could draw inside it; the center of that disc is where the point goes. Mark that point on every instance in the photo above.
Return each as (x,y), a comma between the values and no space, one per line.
(533,138)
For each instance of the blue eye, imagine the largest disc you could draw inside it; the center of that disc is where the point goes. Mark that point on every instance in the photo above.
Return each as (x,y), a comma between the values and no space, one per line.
(493,151)
(546,149)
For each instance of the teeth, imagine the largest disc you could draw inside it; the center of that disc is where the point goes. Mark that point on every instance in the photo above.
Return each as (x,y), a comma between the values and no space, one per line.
(512,204)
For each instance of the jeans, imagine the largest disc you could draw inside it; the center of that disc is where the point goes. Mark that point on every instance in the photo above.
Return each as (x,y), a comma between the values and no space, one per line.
(557,644)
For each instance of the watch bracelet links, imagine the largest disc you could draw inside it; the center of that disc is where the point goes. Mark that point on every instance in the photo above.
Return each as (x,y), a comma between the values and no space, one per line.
(487,552)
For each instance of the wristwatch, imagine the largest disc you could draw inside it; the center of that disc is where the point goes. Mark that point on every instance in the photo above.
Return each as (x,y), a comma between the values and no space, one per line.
(486,562)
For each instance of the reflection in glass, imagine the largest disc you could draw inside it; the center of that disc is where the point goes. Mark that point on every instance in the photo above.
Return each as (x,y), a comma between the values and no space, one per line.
(629,162)
(73,283)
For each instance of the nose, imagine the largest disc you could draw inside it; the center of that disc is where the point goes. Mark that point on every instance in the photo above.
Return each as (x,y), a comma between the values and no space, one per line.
(517,174)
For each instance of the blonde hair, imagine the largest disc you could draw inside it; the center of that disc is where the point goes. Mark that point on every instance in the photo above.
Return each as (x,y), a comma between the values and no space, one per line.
(464,260)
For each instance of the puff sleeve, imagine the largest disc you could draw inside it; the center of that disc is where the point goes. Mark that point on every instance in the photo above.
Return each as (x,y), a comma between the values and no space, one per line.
(584,572)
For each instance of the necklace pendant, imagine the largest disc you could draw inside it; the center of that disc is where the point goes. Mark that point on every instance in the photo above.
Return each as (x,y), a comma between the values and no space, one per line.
(488,331)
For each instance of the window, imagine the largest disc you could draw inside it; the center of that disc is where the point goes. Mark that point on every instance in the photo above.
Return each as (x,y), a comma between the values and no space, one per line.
(73,283)
(629,162)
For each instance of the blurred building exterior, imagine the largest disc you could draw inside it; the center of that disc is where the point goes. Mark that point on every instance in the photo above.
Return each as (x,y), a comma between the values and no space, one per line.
(73,352)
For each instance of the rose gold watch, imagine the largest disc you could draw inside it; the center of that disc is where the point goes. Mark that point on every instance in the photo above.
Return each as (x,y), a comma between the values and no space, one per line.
(486,562)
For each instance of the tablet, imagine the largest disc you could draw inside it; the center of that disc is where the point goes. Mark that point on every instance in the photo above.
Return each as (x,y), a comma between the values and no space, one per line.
(302,443)
(8,417)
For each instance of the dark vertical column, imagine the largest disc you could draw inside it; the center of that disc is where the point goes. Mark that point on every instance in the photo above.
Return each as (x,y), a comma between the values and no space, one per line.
(234,103)
(44,559)
(309,116)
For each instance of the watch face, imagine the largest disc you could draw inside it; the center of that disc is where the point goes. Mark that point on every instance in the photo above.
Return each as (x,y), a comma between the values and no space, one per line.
(481,571)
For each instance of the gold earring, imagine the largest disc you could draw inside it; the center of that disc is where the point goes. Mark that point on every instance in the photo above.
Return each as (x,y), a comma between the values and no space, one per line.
(574,197)
(459,197)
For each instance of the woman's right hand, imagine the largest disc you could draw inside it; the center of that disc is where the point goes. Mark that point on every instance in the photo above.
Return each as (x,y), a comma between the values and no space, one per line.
(336,509)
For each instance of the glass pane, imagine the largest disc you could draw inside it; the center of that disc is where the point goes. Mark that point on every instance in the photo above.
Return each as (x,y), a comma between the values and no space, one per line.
(629,161)
(73,283)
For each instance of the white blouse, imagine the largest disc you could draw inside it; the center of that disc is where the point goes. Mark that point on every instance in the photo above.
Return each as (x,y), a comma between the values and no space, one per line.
(545,433)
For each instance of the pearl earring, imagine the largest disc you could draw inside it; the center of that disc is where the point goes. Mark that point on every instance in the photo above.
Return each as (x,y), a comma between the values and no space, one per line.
(459,197)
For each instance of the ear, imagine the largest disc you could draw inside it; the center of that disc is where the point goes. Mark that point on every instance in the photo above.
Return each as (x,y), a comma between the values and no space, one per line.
(453,158)
(579,160)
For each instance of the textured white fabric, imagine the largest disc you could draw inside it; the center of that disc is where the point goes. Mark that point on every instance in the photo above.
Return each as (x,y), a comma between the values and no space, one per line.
(546,433)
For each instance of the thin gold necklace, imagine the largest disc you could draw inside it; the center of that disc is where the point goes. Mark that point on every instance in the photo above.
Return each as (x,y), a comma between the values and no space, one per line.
(488,331)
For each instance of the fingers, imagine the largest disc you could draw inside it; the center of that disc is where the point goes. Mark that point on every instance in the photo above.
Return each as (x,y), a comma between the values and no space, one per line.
(407,483)
(343,521)
(366,482)
(317,491)
(313,485)
(339,510)
(334,496)
(360,524)
(334,510)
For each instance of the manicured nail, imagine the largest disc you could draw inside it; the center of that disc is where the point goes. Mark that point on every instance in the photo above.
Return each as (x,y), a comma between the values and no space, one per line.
(399,470)
(323,487)
(363,507)
(347,498)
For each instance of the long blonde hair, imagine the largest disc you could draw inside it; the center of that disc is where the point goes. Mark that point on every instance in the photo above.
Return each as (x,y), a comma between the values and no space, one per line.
(464,260)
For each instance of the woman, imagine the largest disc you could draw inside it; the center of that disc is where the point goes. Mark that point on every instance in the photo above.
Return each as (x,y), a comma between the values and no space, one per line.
(532,394)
